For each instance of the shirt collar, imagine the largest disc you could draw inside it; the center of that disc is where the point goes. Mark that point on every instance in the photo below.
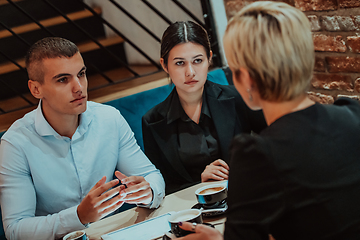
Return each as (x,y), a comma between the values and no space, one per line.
(43,128)
(176,111)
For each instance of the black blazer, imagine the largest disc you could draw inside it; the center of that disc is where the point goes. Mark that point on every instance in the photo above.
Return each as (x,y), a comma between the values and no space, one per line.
(299,179)
(230,114)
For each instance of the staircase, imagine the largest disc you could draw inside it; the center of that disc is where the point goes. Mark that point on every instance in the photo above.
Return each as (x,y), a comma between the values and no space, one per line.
(23,22)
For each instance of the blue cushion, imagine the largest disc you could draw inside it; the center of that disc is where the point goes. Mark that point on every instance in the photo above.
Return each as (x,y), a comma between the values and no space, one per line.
(218,76)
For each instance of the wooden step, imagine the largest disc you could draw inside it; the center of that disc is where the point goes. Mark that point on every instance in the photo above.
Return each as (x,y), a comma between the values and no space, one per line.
(119,74)
(49,22)
(86,47)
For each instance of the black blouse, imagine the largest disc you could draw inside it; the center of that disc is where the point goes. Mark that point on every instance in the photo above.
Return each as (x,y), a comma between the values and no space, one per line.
(197,143)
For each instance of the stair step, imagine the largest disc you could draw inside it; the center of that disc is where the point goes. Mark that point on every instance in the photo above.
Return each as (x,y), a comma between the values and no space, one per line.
(120,74)
(86,47)
(49,22)
(37,9)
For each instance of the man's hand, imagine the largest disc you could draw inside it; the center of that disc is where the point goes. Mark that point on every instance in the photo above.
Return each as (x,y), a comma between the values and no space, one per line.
(217,170)
(202,232)
(100,201)
(138,190)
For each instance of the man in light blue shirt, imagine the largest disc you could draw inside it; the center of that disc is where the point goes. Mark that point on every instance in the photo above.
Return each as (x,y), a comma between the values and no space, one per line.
(58,161)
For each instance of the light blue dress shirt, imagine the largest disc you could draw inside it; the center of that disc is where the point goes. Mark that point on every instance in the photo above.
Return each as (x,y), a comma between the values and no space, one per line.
(44,176)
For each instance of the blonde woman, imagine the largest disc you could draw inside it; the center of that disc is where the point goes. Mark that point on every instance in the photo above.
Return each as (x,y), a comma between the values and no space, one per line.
(300,178)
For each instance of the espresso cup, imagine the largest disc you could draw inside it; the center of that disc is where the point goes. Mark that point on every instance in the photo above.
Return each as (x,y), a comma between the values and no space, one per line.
(188,215)
(211,194)
(77,235)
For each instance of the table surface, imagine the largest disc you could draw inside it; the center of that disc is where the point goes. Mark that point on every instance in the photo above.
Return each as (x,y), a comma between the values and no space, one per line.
(177,201)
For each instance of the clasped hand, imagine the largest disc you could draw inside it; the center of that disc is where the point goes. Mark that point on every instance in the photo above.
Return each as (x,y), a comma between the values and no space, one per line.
(105,198)
(217,170)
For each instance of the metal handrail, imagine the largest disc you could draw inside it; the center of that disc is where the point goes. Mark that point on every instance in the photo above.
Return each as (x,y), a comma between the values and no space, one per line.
(188,12)
(135,20)
(92,39)
(121,35)
(157,11)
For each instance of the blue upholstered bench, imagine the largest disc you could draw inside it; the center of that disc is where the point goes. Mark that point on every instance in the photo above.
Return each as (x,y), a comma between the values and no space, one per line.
(133,107)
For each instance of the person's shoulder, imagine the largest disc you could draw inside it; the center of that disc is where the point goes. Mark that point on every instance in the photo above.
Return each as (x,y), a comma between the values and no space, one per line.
(159,111)
(344,106)
(348,102)
(21,128)
(247,141)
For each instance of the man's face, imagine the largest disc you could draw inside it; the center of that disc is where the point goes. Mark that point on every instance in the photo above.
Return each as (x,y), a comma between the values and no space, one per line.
(64,89)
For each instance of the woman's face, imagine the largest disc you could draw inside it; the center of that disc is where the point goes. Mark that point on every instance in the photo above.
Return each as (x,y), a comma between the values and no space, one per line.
(187,67)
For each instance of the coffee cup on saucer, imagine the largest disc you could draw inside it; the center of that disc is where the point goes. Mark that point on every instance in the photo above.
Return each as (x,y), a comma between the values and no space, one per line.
(188,215)
(211,194)
(77,235)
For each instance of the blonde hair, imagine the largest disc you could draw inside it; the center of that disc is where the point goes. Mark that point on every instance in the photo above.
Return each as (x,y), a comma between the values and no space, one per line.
(273,41)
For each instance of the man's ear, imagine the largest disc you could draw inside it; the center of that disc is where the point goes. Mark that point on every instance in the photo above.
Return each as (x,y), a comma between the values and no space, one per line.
(163,65)
(35,88)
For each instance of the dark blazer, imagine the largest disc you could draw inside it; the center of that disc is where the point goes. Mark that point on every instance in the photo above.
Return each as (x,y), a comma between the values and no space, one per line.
(229,113)
(300,179)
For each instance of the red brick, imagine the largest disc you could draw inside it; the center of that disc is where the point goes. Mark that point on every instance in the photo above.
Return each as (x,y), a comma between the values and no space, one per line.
(321,98)
(330,23)
(315,23)
(343,64)
(316,5)
(346,23)
(357,85)
(233,6)
(354,43)
(332,82)
(319,64)
(325,43)
(357,21)
(349,3)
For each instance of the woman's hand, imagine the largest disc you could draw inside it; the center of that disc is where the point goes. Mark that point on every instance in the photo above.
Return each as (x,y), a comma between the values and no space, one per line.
(201,232)
(217,170)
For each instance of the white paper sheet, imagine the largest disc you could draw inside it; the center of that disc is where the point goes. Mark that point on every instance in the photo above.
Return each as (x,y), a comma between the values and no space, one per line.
(146,230)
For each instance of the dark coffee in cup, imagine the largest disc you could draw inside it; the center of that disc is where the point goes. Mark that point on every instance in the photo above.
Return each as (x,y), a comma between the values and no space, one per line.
(211,190)
(211,194)
(78,235)
(188,215)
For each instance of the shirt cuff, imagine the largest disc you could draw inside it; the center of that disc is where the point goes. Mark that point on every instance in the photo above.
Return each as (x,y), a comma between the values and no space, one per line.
(70,219)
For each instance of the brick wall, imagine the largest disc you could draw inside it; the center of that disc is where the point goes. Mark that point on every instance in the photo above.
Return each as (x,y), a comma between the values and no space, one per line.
(336,33)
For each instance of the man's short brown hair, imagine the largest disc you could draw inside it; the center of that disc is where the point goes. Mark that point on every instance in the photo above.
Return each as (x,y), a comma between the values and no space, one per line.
(50,47)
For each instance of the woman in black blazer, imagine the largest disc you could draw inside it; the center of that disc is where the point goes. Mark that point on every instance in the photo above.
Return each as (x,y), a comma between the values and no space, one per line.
(188,135)
(300,177)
